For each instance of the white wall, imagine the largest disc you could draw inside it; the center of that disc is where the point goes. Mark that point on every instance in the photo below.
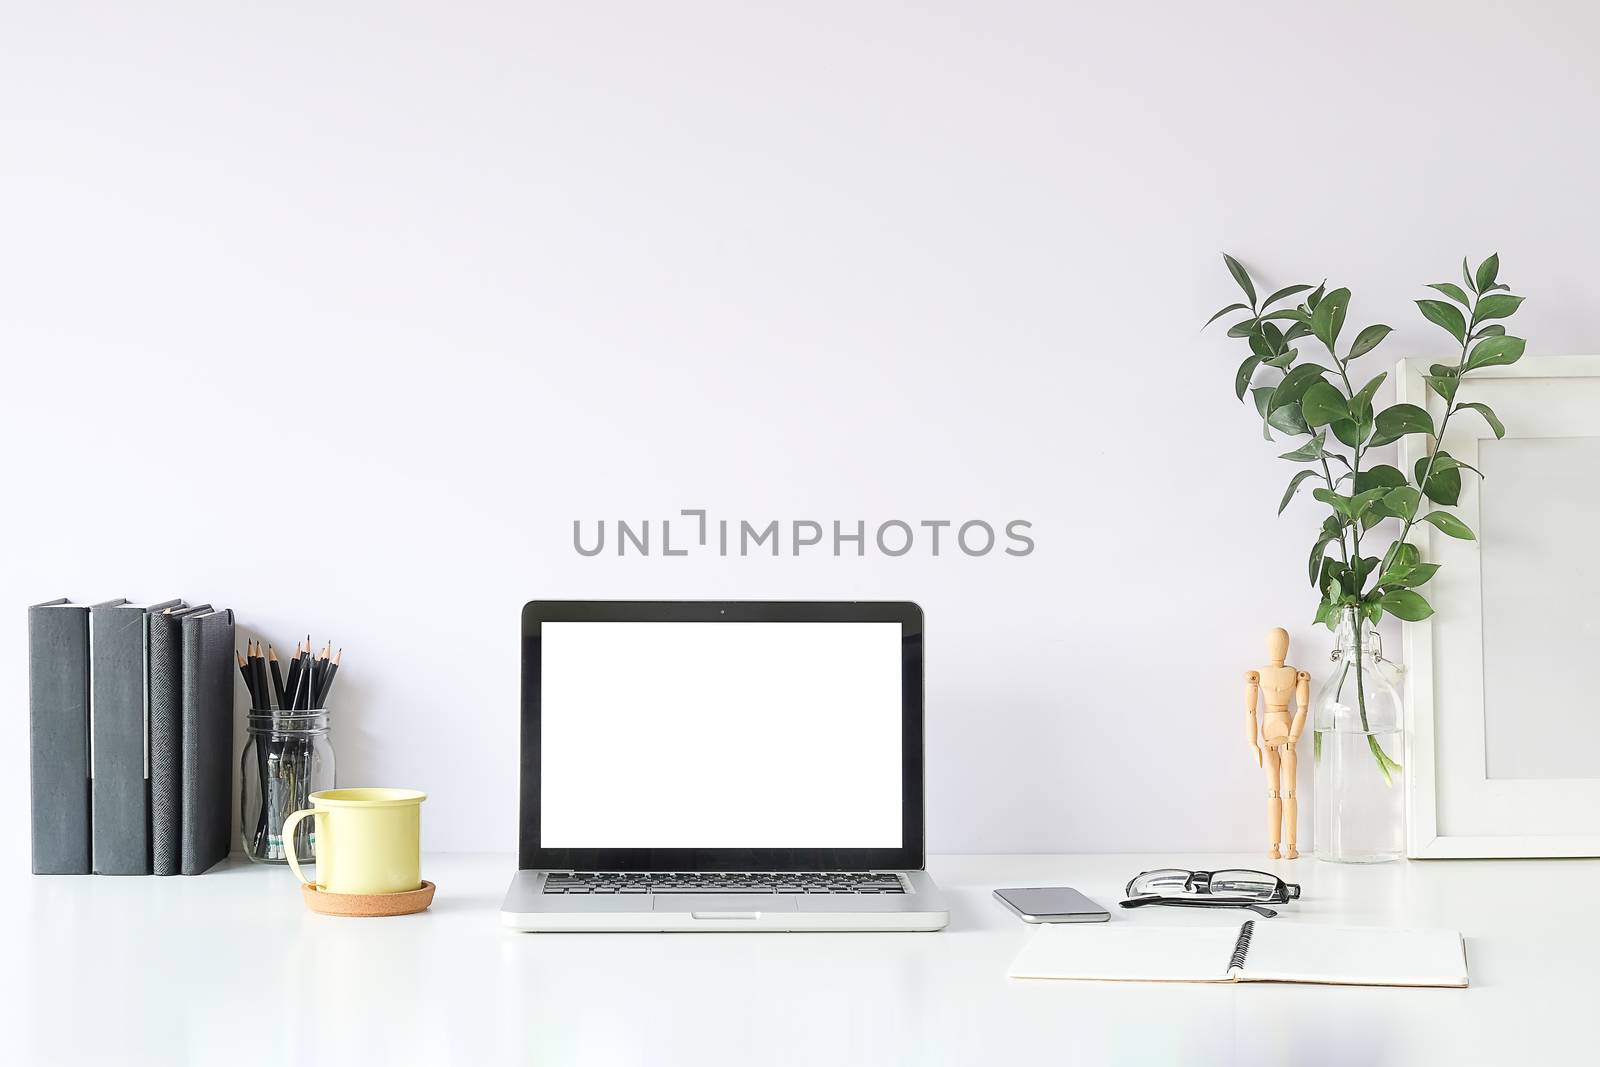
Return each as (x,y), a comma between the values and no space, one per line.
(479,273)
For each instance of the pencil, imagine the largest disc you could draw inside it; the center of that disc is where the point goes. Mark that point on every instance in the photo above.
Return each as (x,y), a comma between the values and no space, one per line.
(249,683)
(293,681)
(318,670)
(327,679)
(259,666)
(301,700)
(277,675)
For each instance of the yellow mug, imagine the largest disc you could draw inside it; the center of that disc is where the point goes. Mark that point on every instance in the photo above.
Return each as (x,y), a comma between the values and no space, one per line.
(368,840)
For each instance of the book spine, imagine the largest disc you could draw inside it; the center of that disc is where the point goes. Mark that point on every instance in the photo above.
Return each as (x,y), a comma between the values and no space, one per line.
(121,798)
(1241,947)
(58,738)
(207,746)
(166,728)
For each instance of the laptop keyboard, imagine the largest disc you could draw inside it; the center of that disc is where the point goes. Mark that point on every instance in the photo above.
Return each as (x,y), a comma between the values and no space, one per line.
(708,882)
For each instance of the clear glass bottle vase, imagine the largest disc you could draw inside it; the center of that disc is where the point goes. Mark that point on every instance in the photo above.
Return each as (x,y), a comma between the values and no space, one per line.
(1358,732)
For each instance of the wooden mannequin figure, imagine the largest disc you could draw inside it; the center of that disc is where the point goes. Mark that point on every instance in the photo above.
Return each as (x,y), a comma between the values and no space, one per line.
(1276,683)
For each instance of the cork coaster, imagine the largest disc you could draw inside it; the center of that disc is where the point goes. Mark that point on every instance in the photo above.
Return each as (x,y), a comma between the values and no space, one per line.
(367,905)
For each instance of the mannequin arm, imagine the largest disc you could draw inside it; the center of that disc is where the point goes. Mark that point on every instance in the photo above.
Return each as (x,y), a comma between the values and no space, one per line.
(1252,690)
(1302,698)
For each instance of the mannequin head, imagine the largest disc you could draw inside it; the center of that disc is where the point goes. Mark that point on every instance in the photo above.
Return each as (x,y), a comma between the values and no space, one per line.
(1277,646)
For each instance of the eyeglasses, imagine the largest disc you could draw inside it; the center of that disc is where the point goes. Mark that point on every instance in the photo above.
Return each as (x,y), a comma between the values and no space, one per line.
(1172,887)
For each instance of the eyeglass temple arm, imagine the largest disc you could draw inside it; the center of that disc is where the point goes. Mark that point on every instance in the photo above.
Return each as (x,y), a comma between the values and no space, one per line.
(1214,902)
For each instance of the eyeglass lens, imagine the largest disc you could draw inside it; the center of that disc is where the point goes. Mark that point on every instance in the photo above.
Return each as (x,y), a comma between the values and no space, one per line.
(1173,882)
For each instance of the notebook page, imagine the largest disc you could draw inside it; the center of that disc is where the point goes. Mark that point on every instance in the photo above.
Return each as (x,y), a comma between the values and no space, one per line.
(1115,952)
(1370,955)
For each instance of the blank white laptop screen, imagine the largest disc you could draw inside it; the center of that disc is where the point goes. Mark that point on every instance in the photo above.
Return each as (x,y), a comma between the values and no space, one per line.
(719,735)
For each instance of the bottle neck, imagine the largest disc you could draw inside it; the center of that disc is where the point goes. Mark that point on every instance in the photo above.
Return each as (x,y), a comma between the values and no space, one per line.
(1350,627)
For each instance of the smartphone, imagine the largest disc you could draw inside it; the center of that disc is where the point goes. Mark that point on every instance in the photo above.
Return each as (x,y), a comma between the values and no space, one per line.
(1052,905)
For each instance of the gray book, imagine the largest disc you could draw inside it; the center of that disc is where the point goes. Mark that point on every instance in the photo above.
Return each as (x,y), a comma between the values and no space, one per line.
(166,737)
(58,736)
(119,734)
(207,740)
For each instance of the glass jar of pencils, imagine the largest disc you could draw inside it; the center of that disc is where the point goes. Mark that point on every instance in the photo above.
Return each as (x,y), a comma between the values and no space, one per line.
(287,757)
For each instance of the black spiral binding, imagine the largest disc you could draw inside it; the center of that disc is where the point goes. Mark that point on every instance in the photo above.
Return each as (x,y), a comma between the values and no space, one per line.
(1241,947)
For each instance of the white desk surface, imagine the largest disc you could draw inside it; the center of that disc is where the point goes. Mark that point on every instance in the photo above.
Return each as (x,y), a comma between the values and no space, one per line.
(231,969)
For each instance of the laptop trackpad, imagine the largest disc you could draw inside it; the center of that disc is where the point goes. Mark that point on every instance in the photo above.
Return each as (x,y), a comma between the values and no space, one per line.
(730,906)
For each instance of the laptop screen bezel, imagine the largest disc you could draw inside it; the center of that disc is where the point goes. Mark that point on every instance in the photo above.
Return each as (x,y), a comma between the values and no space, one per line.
(910,856)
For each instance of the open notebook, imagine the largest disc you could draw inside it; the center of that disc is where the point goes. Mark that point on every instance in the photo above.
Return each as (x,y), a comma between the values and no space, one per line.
(1253,952)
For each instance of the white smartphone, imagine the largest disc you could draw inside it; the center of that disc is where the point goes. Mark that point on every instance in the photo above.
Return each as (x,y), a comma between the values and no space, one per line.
(1057,904)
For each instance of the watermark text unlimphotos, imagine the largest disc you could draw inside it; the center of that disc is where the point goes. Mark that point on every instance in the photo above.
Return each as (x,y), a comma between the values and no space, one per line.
(694,532)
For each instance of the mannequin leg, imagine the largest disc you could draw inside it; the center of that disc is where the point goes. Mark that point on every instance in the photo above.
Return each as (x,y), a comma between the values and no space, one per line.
(1291,806)
(1269,761)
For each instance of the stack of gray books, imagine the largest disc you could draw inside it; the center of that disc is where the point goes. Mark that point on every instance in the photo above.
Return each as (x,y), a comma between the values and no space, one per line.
(131,736)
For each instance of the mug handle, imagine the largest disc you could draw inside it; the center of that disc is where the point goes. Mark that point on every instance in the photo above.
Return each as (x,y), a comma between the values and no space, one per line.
(288,835)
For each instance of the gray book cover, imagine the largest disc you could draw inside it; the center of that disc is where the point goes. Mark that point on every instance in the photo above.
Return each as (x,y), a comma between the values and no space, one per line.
(58,736)
(207,740)
(166,737)
(119,736)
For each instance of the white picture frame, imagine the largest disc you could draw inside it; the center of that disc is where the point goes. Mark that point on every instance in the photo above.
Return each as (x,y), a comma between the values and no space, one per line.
(1491,771)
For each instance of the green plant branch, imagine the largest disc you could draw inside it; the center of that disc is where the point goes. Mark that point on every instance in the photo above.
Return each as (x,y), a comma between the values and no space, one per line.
(1438,438)
(1348,589)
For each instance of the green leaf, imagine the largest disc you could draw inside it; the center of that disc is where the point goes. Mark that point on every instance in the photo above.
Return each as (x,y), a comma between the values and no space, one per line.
(1339,503)
(1487,271)
(1241,276)
(1262,395)
(1490,417)
(1298,330)
(1386,766)
(1309,452)
(1333,577)
(1405,604)
(1498,306)
(1494,329)
(1362,501)
(1282,362)
(1495,352)
(1397,421)
(1316,296)
(1290,290)
(1323,404)
(1296,382)
(1466,275)
(1226,311)
(1444,480)
(1368,339)
(1242,376)
(1328,318)
(1444,461)
(1381,475)
(1402,554)
(1444,384)
(1362,401)
(1402,501)
(1408,577)
(1243,328)
(1447,315)
(1294,485)
(1450,525)
(1351,433)
(1287,418)
(1317,556)
(1290,314)
(1453,291)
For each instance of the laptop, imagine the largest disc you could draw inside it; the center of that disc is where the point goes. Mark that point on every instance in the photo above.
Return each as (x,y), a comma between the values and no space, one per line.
(721,766)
